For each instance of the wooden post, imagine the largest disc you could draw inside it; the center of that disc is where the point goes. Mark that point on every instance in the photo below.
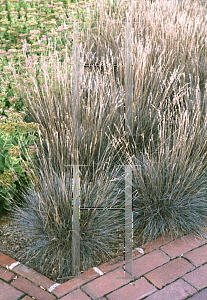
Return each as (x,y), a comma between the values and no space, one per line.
(128,221)
(128,77)
(129,133)
(75,163)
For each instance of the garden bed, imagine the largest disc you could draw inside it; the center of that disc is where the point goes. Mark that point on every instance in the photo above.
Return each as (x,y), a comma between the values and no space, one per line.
(169,143)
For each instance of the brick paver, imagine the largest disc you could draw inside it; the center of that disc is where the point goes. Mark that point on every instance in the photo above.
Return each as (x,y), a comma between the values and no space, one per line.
(178,290)
(169,272)
(199,296)
(6,274)
(147,247)
(197,256)
(105,284)
(148,262)
(112,264)
(6,261)
(133,291)
(31,289)
(8,292)
(33,276)
(117,262)
(198,277)
(74,283)
(158,269)
(76,295)
(182,245)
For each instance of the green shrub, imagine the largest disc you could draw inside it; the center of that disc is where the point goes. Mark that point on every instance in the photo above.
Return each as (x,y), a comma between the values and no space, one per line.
(15,139)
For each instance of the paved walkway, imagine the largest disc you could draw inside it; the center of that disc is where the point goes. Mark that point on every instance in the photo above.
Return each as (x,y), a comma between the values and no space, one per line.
(165,270)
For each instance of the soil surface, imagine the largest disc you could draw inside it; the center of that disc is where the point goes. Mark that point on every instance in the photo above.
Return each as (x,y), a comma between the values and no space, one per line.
(10,245)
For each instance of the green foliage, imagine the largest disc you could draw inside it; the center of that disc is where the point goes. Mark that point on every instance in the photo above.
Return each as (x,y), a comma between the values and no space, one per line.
(15,140)
(14,28)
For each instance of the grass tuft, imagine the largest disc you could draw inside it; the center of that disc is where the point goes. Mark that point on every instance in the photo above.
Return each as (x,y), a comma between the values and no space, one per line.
(45,221)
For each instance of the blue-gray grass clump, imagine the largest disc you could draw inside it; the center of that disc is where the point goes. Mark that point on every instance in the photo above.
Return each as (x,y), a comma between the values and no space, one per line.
(169,180)
(45,221)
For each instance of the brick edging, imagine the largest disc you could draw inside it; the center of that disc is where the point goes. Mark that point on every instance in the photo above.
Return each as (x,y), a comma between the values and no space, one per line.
(23,279)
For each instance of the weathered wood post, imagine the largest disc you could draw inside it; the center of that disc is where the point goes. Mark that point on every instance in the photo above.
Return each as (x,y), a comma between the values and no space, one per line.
(128,77)
(128,132)
(75,158)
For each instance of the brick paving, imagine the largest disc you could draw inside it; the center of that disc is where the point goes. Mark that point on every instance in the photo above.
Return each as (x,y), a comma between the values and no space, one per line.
(162,269)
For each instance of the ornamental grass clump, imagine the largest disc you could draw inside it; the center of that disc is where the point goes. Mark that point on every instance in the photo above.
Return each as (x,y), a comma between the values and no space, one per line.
(45,221)
(169,180)
(169,187)
(169,80)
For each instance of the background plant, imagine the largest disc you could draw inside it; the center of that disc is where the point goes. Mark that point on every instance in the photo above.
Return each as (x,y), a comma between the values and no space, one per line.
(164,64)
(13,166)
(20,21)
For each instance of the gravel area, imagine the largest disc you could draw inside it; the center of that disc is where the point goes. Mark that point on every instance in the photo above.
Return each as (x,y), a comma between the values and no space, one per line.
(10,245)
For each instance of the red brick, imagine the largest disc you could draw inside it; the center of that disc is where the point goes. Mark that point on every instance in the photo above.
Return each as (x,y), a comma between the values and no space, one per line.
(178,290)
(198,256)
(76,295)
(147,247)
(32,275)
(74,283)
(112,264)
(31,289)
(27,298)
(105,284)
(198,277)
(200,296)
(6,275)
(8,292)
(182,245)
(133,291)
(6,261)
(169,272)
(148,262)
